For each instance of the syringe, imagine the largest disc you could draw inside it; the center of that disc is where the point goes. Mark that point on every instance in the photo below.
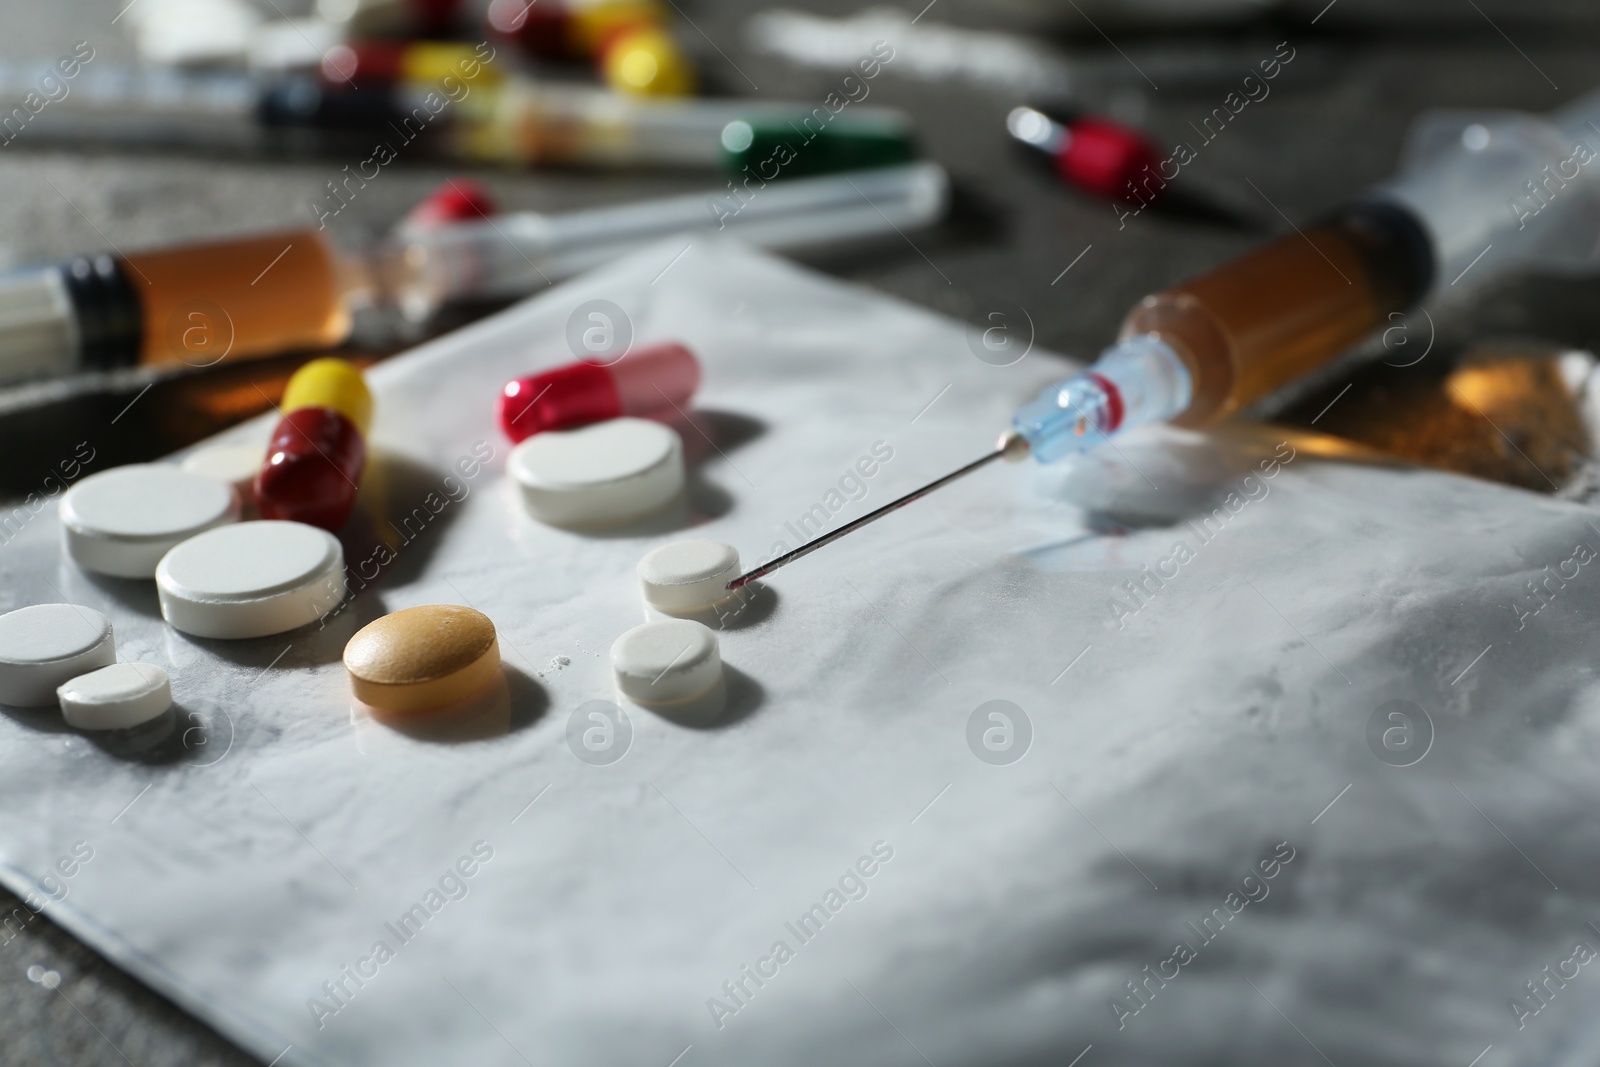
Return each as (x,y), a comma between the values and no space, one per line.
(1480,196)
(267,293)
(420,98)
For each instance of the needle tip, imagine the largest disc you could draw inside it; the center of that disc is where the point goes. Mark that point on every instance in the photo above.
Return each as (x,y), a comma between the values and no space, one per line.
(1013,446)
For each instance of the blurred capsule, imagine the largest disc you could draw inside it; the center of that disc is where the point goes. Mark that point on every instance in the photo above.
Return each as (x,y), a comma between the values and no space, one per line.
(382,63)
(552,29)
(646,61)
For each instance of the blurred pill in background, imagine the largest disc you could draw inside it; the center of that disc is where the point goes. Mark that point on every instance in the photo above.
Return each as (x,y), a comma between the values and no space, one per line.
(646,61)
(553,29)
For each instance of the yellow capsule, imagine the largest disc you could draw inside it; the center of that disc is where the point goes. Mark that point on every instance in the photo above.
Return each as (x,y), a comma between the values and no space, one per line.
(334,384)
(646,61)
(591,25)
(430,62)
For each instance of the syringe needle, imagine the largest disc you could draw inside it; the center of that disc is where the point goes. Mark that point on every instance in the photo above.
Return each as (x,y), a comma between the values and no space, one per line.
(1012,446)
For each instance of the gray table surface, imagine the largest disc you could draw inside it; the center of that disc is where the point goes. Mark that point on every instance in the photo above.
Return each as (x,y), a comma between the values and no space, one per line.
(1322,136)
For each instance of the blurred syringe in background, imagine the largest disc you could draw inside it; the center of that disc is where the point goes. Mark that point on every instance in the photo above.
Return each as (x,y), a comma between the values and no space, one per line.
(439,100)
(278,292)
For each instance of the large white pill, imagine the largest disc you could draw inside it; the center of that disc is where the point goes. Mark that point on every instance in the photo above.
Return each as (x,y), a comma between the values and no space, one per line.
(688,576)
(606,473)
(229,462)
(122,521)
(47,644)
(115,697)
(251,579)
(666,662)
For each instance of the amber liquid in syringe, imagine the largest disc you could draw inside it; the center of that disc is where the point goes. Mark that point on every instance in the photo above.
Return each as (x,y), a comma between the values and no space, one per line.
(1277,313)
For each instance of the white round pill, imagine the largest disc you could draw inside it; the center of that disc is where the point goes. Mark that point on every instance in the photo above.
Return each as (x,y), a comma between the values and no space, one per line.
(688,576)
(47,644)
(229,462)
(122,521)
(606,473)
(251,579)
(666,662)
(115,697)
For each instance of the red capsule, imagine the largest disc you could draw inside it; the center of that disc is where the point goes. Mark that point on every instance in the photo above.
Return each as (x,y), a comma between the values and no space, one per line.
(541,29)
(559,29)
(653,382)
(383,63)
(318,450)
(363,63)
(313,467)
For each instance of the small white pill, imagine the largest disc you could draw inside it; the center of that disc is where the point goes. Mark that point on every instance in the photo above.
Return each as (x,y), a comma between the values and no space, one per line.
(598,475)
(115,697)
(122,521)
(229,462)
(251,579)
(47,644)
(666,662)
(688,576)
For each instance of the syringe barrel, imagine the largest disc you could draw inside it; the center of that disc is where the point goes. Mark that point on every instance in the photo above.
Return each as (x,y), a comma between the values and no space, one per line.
(529,123)
(512,255)
(1501,191)
(1247,328)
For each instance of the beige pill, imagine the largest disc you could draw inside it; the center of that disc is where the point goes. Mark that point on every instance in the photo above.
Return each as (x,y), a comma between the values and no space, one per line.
(420,659)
